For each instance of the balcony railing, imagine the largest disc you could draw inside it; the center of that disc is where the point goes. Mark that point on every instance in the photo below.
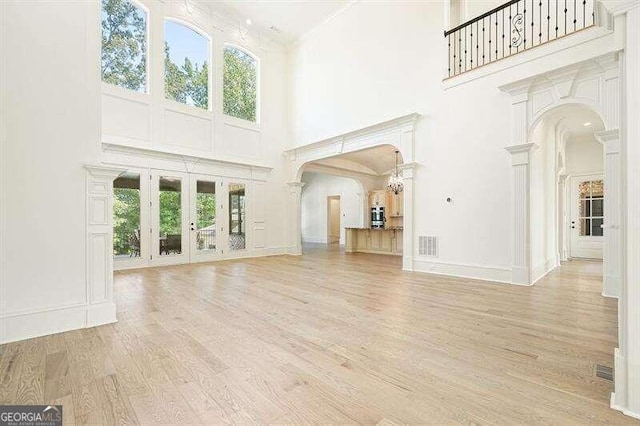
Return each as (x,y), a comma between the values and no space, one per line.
(514,27)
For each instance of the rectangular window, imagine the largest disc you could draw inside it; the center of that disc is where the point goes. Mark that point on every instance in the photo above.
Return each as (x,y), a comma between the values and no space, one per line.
(126,216)
(124,45)
(170,211)
(237,216)
(240,84)
(206,215)
(591,208)
(186,65)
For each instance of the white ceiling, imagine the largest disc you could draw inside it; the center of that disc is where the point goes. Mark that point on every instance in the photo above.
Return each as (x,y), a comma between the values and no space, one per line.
(574,118)
(374,161)
(292,18)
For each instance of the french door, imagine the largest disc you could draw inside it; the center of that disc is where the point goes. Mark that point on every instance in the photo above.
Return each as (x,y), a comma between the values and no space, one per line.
(170,216)
(164,217)
(587,216)
(206,231)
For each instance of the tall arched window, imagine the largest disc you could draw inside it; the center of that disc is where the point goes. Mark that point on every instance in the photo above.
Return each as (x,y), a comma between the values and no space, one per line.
(240,84)
(124,44)
(186,65)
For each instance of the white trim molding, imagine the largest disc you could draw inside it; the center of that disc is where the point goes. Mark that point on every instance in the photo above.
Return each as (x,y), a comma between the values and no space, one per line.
(594,84)
(294,202)
(101,308)
(612,228)
(626,397)
(520,208)
(398,132)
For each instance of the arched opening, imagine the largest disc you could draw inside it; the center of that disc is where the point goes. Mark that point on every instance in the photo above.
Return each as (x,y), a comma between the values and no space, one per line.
(567,191)
(370,217)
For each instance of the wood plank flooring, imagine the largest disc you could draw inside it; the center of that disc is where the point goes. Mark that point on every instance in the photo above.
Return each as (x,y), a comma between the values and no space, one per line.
(328,337)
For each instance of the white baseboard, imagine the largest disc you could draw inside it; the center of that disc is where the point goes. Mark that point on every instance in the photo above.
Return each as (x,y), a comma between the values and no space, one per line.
(476,272)
(315,240)
(543,269)
(100,314)
(26,325)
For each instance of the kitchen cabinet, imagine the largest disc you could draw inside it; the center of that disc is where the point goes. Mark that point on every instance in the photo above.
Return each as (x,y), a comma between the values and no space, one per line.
(380,241)
(378,198)
(396,204)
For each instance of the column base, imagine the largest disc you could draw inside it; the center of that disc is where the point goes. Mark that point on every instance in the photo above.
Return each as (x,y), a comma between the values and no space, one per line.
(611,287)
(520,275)
(101,313)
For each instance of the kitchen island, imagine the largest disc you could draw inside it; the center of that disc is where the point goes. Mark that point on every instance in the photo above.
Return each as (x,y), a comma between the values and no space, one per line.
(374,240)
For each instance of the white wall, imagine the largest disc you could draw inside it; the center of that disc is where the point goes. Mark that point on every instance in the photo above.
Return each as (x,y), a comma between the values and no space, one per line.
(56,114)
(376,61)
(314,205)
(52,106)
(149,121)
(584,155)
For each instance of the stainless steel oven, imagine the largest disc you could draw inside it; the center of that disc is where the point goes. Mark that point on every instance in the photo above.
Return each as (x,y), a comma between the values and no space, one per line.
(377,217)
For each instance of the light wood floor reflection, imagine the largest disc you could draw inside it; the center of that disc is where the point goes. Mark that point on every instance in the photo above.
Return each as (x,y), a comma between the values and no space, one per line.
(329,337)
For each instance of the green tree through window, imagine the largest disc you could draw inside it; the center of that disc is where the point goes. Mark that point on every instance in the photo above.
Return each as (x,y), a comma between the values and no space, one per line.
(240,84)
(186,69)
(124,45)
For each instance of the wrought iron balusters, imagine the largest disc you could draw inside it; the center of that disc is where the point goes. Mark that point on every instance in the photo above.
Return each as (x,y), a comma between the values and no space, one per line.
(518,23)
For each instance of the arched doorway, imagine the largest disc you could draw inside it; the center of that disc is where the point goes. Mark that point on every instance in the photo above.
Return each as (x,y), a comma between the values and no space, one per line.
(567,188)
(398,133)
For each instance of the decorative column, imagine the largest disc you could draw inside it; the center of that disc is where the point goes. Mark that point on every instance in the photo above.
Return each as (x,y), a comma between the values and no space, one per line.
(101,308)
(295,224)
(364,209)
(408,172)
(521,231)
(561,224)
(626,397)
(612,232)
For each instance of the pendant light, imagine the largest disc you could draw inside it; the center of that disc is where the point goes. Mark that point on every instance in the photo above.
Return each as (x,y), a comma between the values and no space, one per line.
(395,184)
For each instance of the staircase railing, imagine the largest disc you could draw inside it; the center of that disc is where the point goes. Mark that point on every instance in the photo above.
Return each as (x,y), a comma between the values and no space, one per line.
(514,27)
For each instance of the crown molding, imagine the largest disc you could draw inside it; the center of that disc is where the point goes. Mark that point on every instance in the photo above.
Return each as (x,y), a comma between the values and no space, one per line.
(408,120)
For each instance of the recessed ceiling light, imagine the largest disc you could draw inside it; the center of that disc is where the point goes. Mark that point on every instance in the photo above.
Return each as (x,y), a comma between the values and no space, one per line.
(249,22)
(587,124)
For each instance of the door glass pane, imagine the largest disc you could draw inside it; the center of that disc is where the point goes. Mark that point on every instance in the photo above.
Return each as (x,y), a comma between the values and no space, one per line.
(126,216)
(585,227)
(597,188)
(590,208)
(597,208)
(596,227)
(206,215)
(237,213)
(170,211)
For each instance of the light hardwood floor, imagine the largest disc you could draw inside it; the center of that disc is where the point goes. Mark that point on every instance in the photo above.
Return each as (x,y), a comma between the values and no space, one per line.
(329,338)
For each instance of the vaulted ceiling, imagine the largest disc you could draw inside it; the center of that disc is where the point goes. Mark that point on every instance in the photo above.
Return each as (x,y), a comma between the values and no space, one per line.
(374,162)
(283,21)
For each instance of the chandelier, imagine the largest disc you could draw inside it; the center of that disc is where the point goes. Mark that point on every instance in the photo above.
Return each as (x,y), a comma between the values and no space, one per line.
(395,184)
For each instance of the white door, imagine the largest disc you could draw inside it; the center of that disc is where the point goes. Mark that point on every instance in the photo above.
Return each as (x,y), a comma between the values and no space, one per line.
(236,221)
(169,218)
(586,216)
(131,220)
(207,218)
(333,219)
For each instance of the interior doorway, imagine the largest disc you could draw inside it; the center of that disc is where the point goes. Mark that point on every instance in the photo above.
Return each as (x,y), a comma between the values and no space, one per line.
(567,189)
(587,216)
(333,219)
